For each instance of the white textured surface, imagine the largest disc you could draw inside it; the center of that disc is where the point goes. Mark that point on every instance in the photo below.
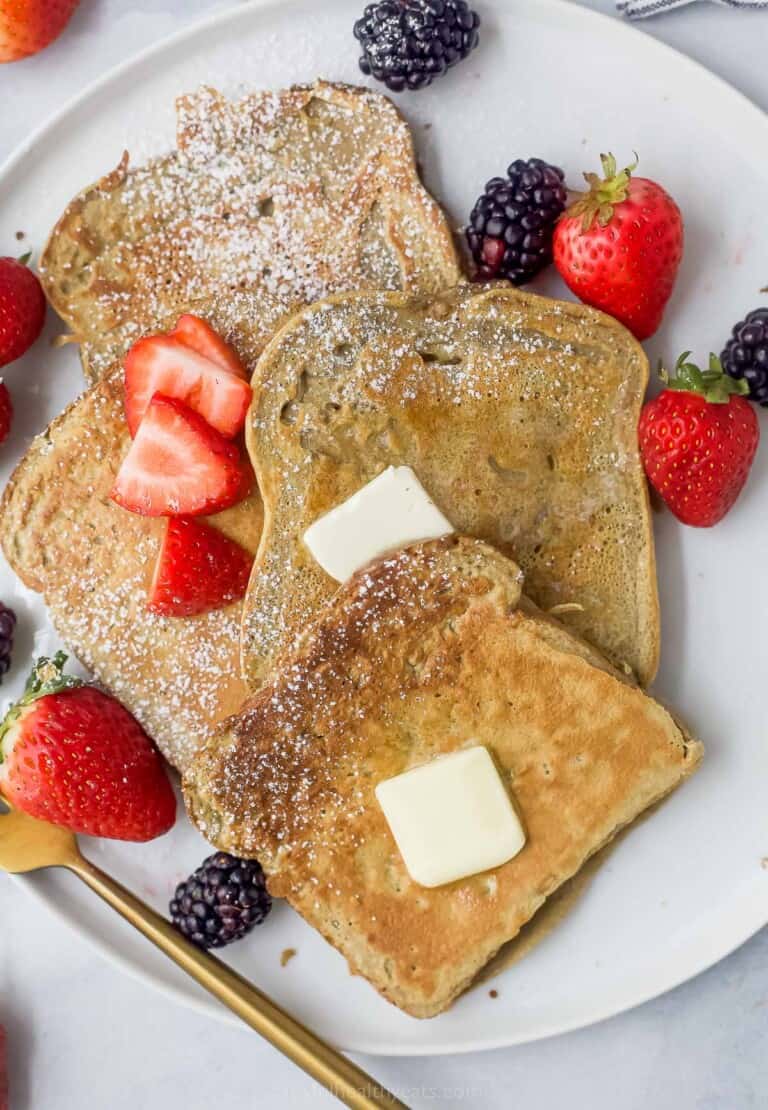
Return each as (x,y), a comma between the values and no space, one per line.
(84,1037)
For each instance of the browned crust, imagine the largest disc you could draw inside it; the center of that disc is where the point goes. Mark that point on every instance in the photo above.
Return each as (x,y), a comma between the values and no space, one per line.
(307,466)
(419,654)
(97,269)
(126,252)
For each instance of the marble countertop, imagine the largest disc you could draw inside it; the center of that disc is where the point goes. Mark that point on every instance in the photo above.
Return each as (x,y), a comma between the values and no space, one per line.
(83,1036)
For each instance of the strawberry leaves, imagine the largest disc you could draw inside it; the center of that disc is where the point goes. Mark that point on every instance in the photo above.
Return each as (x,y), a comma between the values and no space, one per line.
(47,677)
(619,247)
(713,384)
(604,193)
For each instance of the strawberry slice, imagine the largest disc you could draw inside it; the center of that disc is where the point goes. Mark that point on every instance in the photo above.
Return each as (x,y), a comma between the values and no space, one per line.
(198,569)
(178,465)
(161,364)
(199,336)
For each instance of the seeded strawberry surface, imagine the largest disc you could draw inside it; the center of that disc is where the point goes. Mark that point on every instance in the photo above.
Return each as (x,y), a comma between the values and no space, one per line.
(22,309)
(78,758)
(619,248)
(697,452)
(27,26)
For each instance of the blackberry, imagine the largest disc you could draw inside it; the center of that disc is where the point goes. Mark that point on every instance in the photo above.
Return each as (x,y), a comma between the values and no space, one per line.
(408,43)
(7,626)
(221,901)
(511,226)
(746,354)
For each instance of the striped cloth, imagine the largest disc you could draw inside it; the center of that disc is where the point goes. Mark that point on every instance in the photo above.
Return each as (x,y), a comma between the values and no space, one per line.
(641,9)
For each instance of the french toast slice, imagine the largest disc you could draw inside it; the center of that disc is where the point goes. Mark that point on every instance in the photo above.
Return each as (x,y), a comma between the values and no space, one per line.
(517,413)
(421,653)
(292,195)
(93,562)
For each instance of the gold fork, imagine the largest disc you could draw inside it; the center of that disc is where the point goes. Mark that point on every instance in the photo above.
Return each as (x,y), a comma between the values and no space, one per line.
(28,845)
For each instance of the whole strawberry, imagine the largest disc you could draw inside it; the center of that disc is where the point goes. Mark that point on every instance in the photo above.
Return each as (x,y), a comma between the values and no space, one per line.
(6,411)
(27,26)
(619,247)
(72,755)
(698,440)
(22,308)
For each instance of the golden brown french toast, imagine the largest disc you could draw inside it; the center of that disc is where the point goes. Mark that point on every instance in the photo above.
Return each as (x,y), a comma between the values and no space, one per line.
(517,413)
(291,195)
(421,653)
(93,562)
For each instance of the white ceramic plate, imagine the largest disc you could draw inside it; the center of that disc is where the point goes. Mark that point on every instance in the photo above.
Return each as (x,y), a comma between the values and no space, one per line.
(554,80)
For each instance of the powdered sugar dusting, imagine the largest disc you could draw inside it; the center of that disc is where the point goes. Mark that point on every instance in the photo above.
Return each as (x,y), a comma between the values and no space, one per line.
(279,773)
(94,562)
(517,413)
(292,195)
(269,203)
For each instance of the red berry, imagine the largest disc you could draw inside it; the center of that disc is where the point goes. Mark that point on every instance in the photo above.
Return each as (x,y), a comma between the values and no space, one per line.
(698,440)
(198,569)
(161,364)
(22,309)
(178,465)
(199,336)
(72,755)
(27,26)
(6,411)
(619,247)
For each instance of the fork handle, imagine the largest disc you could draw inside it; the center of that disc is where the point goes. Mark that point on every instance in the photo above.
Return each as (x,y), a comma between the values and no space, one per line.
(350,1084)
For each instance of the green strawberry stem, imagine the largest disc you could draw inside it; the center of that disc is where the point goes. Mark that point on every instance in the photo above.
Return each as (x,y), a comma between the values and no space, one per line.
(603,194)
(24,258)
(47,677)
(713,384)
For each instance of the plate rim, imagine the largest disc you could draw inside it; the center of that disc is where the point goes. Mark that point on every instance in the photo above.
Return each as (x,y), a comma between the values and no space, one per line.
(749,924)
(210,1007)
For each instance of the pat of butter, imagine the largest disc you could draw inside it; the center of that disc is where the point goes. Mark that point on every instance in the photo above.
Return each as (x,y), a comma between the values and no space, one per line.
(392,511)
(451,818)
